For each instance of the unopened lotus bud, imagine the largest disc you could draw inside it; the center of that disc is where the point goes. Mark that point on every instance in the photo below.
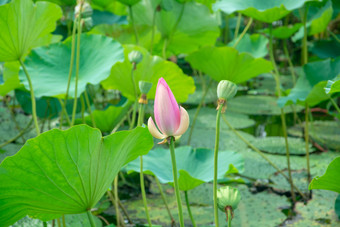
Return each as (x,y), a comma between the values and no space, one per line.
(228,197)
(86,10)
(129,2)
(226,89)
(135,57)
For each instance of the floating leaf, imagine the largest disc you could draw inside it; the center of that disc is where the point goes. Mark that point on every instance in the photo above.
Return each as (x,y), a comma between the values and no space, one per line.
(46,65)
(258,105)
(266,11)
(65,172)
(254,44)
(276,145)
(312,74)
(23,24)
(226,63)
(194,165)
(330,180)
(151,68)
(284,32)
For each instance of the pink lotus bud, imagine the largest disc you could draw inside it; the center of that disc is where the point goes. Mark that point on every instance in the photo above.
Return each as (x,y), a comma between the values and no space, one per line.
(171,119)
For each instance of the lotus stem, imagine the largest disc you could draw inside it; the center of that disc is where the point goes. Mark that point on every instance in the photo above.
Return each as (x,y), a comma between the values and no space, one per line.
(34,107)
(77,70)
(63,219)
(91,220)
(243,32)
(238,23)
(115,188)
(283,117)
(229,217)
(133,24)
(70,72)
(197,111)
(153,30)
(334,104)
(174,172)
(82,102)
(164,200)
(87,100)
(291,66)
(63,109)
(189,209)
(22,132)
(217,140)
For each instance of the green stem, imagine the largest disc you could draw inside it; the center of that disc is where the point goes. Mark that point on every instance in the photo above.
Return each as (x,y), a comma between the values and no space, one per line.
(70,69)
(189,209)
(243,32)
(34,107)
(87,100)
(217,140)
(283,118)
(109,193)
(63,110)
(115,188)
(82,102)
(229,217)
(22,132)
(197,112)
(164,200)
(333,35)
(153,30)
(135,106)
(64,221)
(304,40)
(334,104)
(291,66)
(77,71)
(44,224)
(90,216)
(174,172)
(133,24)
(238,23)
(260,153)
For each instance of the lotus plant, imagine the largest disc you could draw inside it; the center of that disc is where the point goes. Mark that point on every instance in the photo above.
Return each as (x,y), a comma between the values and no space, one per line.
(172,121)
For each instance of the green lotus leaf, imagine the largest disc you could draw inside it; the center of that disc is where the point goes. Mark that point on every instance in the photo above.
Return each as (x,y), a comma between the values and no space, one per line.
(107,119)
(61,2)
(313,73)
(151,68)
(115,7)
(197,26)
(226,63)
(284,32)
(254,44)
(333,86)
(10,77)
(65,172)
(265,11)
(258,105)
(23,24)
(326,48)
(330,180)
(194,165)
(46,65)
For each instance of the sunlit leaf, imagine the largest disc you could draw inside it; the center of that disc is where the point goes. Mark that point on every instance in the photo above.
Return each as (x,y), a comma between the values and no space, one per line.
(254,44)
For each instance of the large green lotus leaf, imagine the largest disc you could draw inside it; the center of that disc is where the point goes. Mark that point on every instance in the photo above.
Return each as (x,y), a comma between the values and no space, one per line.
(65,172)
(258,105)
(266,11)
(313,73)
(23,24)
(151,68)
(48,66)
(325,133)
(319,211)
(194,165)
(319,18)
(10,77)
(276,145)
(330,180)
(197,26)
(226,63)
(107,119)
(326,48)
(115,7)
(333,86)
(254,44)
(207,119)
(284,32)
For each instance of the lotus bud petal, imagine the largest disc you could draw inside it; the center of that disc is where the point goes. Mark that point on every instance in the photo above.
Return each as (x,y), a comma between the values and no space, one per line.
(135,56)
(144,86)
(153,130)
(228,197)
(226,89)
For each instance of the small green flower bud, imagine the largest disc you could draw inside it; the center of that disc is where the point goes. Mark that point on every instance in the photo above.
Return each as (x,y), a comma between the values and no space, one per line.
(226,89)
(228,196)
(129,2)
(144,86)
(135,56)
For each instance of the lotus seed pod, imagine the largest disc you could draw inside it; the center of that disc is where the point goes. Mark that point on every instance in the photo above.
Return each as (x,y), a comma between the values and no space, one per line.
(129,2)
(226,89)
(144,86)
(135,56)
(86,10)
(228,196)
